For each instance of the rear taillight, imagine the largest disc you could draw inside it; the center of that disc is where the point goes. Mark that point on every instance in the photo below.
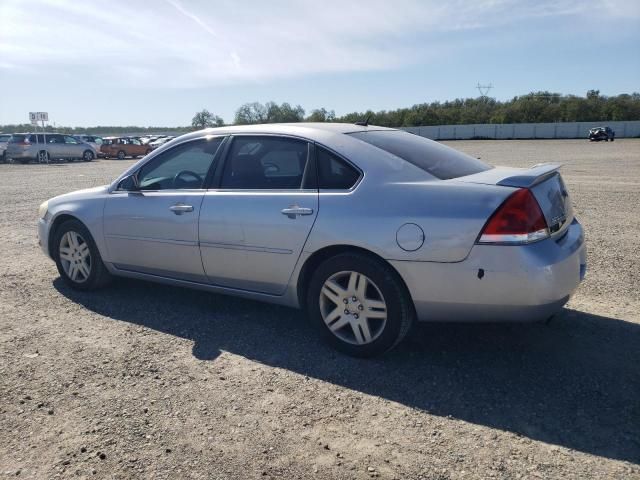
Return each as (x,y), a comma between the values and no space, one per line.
(518,220)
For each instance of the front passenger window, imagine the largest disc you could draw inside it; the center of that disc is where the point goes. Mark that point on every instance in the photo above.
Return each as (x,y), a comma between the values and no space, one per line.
(183,167)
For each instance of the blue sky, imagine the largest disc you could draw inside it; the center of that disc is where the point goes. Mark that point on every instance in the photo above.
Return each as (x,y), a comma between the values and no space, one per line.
(135,62)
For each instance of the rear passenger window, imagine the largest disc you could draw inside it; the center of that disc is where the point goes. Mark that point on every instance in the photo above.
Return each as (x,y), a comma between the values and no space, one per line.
(268,163)
(334,173)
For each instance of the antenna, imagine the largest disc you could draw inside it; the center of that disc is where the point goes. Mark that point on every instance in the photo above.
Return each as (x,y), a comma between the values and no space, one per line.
(484,89)
(364,123)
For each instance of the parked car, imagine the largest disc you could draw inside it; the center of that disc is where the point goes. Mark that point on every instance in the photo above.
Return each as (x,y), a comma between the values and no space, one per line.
(43,147)
(160,141)
(94,141)
(601,133)
(4,140)
(367,228)
(122,147)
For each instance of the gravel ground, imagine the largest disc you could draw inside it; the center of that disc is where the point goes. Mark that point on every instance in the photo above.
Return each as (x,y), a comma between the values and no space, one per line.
(149,381)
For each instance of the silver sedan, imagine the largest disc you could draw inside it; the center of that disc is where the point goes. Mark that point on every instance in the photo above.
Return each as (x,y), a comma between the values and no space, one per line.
(367,228)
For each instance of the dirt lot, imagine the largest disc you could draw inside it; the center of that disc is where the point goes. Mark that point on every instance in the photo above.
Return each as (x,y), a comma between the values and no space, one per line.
(148,381)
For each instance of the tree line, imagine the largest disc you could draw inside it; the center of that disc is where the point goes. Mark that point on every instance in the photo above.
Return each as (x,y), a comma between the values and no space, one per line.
(535,107)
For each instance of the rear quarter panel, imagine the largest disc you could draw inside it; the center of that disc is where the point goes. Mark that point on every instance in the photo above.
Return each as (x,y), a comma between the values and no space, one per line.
(451,215)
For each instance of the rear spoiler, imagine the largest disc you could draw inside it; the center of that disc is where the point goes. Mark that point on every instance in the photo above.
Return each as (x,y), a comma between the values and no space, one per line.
(533,176)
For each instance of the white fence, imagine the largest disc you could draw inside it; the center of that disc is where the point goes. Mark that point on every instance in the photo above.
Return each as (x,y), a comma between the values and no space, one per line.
(510,131)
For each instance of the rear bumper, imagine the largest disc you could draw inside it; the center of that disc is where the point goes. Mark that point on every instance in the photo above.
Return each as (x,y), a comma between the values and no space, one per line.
(499,283)
(20,153)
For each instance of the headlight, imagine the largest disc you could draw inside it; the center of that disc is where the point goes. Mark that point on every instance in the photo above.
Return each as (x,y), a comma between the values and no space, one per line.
(42,211)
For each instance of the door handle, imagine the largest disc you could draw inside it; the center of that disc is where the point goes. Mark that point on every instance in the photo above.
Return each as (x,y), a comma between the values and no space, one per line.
(180,208)
(295,210)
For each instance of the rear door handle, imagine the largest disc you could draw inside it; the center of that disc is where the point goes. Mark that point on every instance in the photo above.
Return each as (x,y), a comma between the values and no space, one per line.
(294,211)
(180,208)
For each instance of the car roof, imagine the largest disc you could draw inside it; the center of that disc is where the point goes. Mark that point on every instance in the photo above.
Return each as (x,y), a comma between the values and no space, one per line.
(283,127)
(309,130)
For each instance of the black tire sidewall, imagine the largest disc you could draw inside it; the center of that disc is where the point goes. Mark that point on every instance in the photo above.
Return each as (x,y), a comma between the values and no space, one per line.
(390,286)
(84,155)
(96,259)
(124,155)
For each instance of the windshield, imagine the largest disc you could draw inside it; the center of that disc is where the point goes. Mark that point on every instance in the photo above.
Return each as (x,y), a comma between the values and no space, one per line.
(4,138)
(440,161)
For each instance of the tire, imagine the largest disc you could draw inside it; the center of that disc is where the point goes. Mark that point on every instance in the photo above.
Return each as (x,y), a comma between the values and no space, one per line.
(383,284)
(3,158)
(43,156)
(612,139)
(87,156)
(98,276)
(148,151)
(121,155)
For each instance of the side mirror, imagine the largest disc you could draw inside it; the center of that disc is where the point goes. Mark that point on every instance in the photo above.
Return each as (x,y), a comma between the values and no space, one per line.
(129,183)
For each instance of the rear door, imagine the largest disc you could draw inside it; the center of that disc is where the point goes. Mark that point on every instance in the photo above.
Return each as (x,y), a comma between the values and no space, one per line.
(254,225)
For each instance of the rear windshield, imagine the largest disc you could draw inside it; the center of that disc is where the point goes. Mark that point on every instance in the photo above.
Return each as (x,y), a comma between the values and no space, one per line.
(440,161)
(4,138)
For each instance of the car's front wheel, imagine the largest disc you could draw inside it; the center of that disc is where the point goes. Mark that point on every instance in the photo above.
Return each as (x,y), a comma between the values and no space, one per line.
(121,155)
(77,257)
(359,304)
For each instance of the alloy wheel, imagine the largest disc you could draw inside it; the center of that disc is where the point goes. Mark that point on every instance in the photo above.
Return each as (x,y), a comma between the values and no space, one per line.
(353,307)
(75,256)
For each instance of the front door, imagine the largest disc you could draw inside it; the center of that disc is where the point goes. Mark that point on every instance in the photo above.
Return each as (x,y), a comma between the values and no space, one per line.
(254,226)
(154,229)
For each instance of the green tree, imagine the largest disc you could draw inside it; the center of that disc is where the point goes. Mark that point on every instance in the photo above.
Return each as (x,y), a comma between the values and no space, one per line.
(251,113)
(206,119)
(321,115)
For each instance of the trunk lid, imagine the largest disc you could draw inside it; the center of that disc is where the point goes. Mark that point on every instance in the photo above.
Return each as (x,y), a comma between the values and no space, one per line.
(544,181)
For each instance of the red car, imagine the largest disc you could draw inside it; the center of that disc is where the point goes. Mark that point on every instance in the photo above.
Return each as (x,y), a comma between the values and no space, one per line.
(122,147)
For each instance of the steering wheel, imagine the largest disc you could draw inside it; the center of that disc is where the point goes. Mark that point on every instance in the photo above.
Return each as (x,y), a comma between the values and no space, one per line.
(189,173)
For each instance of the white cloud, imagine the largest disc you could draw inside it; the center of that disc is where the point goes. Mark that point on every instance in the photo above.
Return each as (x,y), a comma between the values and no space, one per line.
(180,43)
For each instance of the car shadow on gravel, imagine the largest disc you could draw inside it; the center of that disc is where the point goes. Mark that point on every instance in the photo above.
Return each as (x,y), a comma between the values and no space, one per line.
(574,382)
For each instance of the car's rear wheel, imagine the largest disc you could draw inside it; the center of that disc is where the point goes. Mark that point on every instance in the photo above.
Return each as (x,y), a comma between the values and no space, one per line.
(121,155)
(43,156)
(359,304)
(87,156)
(77,257)
(148,151)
